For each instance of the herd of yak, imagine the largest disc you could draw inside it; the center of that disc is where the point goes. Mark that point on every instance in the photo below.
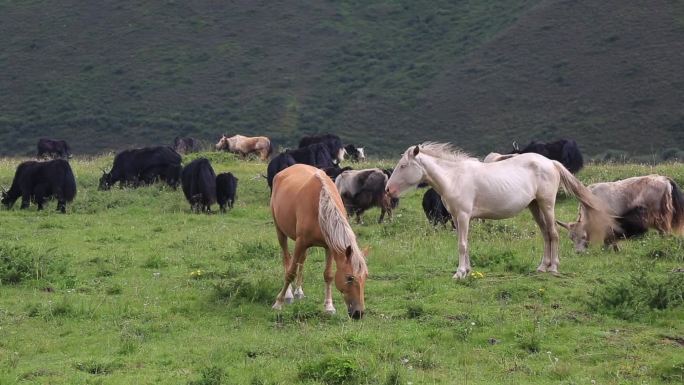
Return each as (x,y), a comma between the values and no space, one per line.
(37,181)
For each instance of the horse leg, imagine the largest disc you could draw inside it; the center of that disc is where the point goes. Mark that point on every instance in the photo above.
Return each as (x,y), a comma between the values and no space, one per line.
(463,221)
(299,292)
(291,272)
(287,261)
(328,276)
(539,218)
(547,213)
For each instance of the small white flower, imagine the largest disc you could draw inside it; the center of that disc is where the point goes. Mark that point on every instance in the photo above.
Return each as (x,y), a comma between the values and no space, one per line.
(472,323)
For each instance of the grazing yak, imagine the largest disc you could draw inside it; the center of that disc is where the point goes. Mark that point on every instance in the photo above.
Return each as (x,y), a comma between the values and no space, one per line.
(143,166)
(185,145)
(317,155)
(331,141)
(226,190)
(355,153)
(244,145)
(199,185)
(565,151)
(279,163)
(37,181)
(363,189)
(51,148)
(434,209)
(640,203)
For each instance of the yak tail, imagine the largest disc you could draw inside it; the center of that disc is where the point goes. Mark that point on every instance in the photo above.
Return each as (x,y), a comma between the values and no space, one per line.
(677,209)
(335,227)
(600,223)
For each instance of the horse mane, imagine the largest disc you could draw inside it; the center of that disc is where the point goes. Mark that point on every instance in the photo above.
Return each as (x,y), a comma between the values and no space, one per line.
(444,151)
(336,230)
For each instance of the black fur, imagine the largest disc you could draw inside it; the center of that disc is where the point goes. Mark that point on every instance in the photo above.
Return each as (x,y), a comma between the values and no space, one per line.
(678,205)
(185,145)
(226,190)
(565,151)
(279,163)
(52,148)
(434,209)
(37,181)
(333,142)
(199,184)
(143,165)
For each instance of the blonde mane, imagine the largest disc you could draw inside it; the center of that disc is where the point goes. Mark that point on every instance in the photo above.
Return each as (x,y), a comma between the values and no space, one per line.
(444,151)
(336,230)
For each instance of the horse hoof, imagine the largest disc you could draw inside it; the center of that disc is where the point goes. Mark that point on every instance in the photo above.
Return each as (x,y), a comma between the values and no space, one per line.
(330,310)
(460,275)
(541,269)
(277,306)
(299,296)
(289,300)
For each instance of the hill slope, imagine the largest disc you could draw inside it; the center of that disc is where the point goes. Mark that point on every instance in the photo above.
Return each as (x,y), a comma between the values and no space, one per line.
(386,74)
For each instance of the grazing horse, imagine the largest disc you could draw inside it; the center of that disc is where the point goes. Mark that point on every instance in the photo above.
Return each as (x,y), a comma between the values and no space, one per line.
(472,189)
(307,208)
(642,202)
(244,145)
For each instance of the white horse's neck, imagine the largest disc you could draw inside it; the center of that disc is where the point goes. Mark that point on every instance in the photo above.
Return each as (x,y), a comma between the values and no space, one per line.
(440,172)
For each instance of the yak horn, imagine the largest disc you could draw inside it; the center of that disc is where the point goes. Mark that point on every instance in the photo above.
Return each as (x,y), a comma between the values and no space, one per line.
(515,146)
(563,225)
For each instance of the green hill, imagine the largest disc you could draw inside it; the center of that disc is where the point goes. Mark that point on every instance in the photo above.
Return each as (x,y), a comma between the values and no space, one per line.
(386,74)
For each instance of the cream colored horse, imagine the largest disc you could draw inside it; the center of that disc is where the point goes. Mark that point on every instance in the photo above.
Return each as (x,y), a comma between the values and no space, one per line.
(306,207)
(498,190)
(660,205)
(245,145)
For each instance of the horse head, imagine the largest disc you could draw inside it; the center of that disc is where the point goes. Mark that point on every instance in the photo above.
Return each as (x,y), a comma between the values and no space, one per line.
(578,234)
(222,143)
(407,173)
(351,283)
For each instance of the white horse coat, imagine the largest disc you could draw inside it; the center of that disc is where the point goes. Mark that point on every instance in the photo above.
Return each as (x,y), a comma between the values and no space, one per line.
(498,190)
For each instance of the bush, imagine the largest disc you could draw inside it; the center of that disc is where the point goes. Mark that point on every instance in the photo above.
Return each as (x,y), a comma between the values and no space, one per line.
(632,297)
(18,264)
(211,375)
(332,371)
(251,290)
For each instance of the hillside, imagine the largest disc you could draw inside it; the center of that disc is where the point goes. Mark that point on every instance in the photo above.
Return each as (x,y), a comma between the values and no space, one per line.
(385,74)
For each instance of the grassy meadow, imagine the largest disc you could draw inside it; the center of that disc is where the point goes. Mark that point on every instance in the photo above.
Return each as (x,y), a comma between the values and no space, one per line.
(131,288)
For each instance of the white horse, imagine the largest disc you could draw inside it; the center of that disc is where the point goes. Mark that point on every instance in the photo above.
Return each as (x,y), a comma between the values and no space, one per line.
(498,190)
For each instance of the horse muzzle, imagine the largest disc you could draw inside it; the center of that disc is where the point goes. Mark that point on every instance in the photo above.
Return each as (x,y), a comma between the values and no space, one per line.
(356,314)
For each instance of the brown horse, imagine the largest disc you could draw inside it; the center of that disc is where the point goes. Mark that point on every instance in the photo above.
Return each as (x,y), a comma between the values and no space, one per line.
(245,145)
(307,208)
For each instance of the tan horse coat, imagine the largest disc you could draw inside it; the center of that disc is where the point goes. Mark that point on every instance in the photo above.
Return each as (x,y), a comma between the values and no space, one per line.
(307,208)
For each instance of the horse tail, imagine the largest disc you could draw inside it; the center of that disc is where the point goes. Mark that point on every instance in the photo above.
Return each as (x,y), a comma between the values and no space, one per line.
(335,227)
(677,208)
(270,150)
(599,221)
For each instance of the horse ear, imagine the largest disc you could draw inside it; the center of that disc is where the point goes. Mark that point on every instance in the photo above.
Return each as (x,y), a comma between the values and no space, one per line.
(348,252)
(563,225)
(416,150)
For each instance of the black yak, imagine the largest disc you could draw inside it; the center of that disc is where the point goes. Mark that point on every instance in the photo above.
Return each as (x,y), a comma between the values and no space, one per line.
(199,185)
(226,190)
(37,181)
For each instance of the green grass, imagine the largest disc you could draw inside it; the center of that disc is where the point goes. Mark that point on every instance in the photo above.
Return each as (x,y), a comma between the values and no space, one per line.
(130,287)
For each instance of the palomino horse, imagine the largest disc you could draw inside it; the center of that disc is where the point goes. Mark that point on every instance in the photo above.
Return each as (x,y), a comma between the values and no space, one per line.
(498,190)
(306,207)
(245,145)
(642,202)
